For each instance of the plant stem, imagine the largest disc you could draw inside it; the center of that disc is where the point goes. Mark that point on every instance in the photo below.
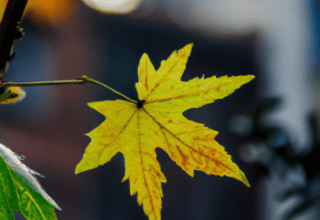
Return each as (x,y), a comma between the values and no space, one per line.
(85,78)
(10,32)
(80,80)
(44,83)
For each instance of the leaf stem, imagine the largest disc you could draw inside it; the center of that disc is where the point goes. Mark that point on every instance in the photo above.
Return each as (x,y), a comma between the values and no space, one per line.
(87,79)
(79,80)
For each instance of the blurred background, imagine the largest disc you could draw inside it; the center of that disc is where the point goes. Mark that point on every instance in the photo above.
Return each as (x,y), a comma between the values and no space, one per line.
(269,126)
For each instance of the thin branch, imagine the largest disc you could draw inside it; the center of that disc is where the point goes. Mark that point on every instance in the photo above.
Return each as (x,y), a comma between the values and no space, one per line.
(108,87)
(44,83)
(10,32)
(80,80)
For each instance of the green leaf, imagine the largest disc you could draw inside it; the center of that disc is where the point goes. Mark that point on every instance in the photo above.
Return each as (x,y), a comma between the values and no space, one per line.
(20,191)
(8,192)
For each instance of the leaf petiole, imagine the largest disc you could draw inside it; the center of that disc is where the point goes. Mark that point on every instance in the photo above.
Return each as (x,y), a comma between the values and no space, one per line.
(79,80)
(87,79)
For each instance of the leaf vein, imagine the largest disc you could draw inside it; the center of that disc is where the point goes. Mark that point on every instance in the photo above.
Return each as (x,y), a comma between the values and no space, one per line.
(143,170)
(158,83)
(209,158)
(124,127)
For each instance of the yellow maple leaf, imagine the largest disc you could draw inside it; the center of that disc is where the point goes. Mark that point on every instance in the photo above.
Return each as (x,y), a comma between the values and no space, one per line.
(136,129)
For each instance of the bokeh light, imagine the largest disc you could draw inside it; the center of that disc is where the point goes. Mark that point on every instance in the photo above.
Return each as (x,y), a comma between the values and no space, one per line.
(47,13)
(113,7)
(51,12)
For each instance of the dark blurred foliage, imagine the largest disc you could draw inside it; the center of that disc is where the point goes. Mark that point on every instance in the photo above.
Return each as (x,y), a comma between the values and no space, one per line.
(272,150)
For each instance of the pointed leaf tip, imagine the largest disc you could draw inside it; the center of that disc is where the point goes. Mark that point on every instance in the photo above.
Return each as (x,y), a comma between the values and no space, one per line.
(244,179)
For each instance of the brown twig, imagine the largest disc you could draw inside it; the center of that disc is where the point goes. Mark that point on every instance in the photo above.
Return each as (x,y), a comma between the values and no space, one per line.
(10,32)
